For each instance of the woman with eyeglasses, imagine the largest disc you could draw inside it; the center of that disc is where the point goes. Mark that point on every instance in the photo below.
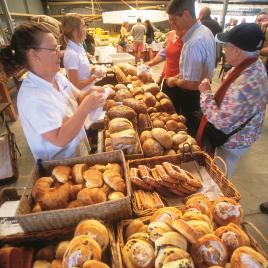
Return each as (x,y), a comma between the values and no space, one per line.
(51,110)
(75,59)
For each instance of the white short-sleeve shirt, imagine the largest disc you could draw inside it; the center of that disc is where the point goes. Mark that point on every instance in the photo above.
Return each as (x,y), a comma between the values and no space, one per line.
(41,109)
(75,58)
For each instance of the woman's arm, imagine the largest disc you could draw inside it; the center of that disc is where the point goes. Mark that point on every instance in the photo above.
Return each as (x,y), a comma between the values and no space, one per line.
(71,126)
(80,84)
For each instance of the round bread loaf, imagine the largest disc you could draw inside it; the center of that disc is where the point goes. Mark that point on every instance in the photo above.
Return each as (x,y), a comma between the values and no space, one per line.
(152,148)
(162,137)
(121,111)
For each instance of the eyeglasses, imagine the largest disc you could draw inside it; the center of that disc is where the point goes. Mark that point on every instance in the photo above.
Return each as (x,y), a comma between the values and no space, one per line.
(56,49)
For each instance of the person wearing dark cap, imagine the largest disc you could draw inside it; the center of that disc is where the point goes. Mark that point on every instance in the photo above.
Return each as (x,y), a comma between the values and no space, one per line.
(239,105)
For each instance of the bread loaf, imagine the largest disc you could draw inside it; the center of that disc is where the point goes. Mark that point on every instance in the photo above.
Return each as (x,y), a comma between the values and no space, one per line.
(152,88)
(119,124)
(121,111)
(152,148)
(136,105)
(122,94)
(120,76)
(162,137)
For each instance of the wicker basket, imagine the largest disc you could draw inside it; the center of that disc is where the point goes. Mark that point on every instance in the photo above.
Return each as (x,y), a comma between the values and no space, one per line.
(121,239)
(203,159)
(41,239)
(54,219)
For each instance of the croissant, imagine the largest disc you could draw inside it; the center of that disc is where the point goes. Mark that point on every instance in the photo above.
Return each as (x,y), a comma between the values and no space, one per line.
(77,172)
(61,173)
(245,257)
(114,180)
(134,227)
(41,186)
(94,264)
(55,198)
(227,210)
(91,196)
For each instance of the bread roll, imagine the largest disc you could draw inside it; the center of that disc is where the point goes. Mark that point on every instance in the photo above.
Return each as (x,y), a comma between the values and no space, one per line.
(94,264)
(226,210)
(77,173)
(109,104)
(145,135)
(119,86)
(167,105)
(209,250)
(115,196)
(134,227)
(179,138)
(115,167)
(157,229)
(122,94)
(136,105)
(160,95)
(152,148)
(56,264)
(42,264)
(201,227)
(91,196)
(173,257)
(152,88)
(80,249)
(62,173)
(114,180)
(149,100)
(99,167)
(121,111)
(172,125)
(136,91)
(127,68)
(61,248)
(246,257)
(46,253)
(162,137)
(158,123)
(94,229)
(138,253)
(93,178)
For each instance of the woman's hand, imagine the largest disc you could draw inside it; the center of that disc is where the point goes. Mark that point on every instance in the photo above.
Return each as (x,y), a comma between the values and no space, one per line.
(98,89)
(92,101)
(205,86)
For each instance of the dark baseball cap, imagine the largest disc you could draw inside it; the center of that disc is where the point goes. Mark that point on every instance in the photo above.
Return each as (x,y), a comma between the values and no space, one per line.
(246,36)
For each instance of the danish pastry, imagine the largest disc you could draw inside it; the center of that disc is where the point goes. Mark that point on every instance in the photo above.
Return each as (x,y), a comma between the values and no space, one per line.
(208,251)
(166,214)
(94,264)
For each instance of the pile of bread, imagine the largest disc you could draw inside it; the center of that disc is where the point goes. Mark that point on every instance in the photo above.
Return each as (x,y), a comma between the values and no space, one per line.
(166,179)
(121,136)
(126,72)
(80,185)
(85,250)
(143,200)
(201,234)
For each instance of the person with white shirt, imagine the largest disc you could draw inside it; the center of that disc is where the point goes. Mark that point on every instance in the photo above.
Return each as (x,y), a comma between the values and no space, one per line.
(51,110)
(75,58)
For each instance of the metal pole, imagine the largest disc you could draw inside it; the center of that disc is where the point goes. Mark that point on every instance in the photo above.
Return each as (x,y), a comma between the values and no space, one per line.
(7,17)
(224,11)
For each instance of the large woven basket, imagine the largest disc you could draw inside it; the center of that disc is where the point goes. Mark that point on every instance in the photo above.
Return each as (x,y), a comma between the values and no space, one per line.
(54,219)
(204,160)
(40,239)
(121,239)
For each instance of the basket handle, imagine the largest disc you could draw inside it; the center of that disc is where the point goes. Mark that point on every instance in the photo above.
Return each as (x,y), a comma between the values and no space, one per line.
(245,225)
(225,168)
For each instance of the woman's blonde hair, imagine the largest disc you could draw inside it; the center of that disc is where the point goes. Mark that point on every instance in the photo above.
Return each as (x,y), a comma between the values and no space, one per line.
(70,23)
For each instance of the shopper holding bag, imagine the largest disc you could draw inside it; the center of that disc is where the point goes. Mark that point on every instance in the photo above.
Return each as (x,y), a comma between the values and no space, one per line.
(238,107)
(51,110)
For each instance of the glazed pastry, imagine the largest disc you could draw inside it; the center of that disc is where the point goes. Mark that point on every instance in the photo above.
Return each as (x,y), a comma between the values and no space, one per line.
(94,229)
(182,263)
(140,235)
(94,264)
(208,251)
(138,254)
(246,257)
(62,173)
(232,237)
(93,178)
(172,254)
(41,264)
(196,215)
(227,210)
(81,249)
(186,230)
(166,214)
(171,239)
(61,248)
(77,172)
